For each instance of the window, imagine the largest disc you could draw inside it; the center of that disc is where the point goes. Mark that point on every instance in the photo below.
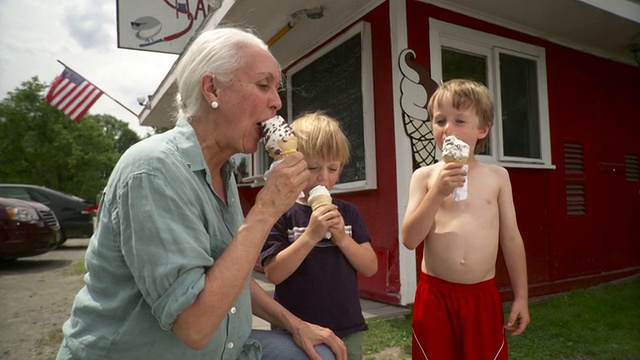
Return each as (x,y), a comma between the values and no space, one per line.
(337,79)
(515,73)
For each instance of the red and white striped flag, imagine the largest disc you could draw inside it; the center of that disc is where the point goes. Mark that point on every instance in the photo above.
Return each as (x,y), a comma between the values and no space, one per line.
(72,94)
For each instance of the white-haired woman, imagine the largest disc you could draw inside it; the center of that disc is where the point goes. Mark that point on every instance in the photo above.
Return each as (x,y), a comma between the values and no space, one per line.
(170,263)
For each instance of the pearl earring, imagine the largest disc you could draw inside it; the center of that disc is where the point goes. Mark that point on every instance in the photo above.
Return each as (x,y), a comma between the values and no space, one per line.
(214,104)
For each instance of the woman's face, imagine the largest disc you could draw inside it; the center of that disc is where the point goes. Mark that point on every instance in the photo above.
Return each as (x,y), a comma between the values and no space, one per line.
(249,99)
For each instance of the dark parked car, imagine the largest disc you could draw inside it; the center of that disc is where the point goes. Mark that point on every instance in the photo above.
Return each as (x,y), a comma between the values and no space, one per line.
(27,228)
(74,214)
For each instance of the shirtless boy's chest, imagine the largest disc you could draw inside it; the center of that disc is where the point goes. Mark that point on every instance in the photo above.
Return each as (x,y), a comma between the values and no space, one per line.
(482,198)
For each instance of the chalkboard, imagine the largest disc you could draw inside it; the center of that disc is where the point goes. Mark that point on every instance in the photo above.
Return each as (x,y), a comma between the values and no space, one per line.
(333,83)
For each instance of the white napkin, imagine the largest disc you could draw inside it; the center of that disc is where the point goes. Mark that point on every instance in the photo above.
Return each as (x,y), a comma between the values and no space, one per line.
(460,193)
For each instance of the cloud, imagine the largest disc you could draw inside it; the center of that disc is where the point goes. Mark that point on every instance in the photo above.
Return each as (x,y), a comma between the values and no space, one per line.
(83,36)
(90,24)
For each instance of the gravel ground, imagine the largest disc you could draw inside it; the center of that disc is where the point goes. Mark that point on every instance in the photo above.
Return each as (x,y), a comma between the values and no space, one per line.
(36,297)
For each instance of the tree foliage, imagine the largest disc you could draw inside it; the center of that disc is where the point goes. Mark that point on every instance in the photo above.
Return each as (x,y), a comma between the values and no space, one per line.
(40,145)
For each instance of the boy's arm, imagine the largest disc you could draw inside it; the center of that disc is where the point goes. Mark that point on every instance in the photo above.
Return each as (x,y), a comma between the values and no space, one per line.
(280,266)
(360,256)
(421,209)
(514,255)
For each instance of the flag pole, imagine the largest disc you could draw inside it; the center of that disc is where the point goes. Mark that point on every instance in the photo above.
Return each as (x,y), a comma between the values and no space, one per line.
(104,92)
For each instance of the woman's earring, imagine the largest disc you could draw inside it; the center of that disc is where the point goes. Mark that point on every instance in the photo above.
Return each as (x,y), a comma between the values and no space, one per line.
(214,104)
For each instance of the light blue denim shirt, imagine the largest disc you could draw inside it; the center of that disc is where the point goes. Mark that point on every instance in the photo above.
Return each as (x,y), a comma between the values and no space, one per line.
(160,228)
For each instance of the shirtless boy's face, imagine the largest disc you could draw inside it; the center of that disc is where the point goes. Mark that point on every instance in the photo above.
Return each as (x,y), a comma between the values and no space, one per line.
(462,123)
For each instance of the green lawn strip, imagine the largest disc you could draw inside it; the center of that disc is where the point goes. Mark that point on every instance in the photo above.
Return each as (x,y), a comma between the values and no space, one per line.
(599,323)
(383,334)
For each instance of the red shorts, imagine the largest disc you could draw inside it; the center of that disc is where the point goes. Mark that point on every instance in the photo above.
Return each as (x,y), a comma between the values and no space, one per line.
(458,321)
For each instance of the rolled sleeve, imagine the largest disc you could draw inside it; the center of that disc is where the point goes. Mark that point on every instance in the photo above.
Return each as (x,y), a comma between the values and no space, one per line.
(164,243)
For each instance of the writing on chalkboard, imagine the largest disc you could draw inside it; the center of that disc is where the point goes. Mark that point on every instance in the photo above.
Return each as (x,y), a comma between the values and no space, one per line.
(337,80)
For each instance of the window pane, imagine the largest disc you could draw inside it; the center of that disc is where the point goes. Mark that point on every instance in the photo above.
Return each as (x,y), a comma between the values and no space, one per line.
(519,97)
(459,65)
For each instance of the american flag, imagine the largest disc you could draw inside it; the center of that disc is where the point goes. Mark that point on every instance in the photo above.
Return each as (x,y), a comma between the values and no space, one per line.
(72,94)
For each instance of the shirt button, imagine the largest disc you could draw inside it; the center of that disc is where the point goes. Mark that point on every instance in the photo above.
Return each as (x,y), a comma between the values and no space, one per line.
(233,310)
(230,345)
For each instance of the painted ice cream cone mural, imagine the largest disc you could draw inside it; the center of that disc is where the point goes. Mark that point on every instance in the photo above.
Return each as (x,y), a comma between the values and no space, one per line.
(415,87)
(279,139)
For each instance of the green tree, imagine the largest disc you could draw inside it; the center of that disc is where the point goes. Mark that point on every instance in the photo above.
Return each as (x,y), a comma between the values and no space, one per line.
(40,145)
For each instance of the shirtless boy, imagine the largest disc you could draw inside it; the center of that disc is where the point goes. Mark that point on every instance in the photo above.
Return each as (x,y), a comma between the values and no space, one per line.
(457,311)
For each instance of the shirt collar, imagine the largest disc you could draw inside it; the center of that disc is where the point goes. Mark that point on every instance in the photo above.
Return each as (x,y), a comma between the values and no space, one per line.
(189,147)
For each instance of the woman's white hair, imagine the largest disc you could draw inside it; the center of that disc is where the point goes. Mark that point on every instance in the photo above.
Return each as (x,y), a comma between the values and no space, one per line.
(215,51)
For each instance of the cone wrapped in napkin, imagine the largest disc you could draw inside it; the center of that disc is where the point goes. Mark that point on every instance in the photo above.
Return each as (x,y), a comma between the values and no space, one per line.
(455,150)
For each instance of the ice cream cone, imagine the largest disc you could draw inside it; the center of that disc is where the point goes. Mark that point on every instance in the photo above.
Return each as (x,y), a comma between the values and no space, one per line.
(279,139)
(319,196)
(454,150)
(288,145)
(450,159)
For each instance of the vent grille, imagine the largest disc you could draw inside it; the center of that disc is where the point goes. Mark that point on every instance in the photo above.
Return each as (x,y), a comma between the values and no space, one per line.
(573,159)
(576,204)
(574,179)
(631,167)
(50,218)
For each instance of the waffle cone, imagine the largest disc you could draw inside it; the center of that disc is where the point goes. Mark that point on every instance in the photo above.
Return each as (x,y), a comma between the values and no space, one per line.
(288,145)
(450,159)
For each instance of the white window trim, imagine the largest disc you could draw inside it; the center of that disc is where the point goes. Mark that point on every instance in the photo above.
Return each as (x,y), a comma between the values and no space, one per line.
(458,37)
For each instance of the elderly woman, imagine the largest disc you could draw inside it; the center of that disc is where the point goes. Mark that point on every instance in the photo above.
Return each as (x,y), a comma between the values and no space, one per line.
(171,260)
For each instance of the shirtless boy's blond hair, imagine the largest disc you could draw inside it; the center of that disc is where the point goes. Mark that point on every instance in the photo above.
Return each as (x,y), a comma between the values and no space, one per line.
(466,94)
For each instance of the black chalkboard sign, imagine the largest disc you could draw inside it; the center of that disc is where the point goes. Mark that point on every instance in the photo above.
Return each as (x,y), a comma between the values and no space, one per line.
(333,84)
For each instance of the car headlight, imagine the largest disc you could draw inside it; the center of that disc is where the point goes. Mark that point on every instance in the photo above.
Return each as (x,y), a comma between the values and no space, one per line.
(22,214)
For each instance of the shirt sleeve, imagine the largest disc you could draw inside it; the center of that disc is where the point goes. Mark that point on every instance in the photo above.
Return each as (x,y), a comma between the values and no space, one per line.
(164,243)
(359,230)
(277,240)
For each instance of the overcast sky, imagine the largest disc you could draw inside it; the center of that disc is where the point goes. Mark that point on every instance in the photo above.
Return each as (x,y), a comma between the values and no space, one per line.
(83,35)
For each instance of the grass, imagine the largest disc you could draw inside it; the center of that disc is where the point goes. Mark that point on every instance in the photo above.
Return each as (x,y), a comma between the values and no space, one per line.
(601,323)
(387,334)
(76,268)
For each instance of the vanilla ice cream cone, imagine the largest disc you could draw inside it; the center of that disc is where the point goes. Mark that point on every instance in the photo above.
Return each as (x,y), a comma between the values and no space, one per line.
(318,196)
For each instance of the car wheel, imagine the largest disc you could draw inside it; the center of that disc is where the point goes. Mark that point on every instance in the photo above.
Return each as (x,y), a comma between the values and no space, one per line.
(61,238)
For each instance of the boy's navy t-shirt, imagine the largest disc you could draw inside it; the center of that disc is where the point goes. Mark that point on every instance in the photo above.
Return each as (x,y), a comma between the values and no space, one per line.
(324,288)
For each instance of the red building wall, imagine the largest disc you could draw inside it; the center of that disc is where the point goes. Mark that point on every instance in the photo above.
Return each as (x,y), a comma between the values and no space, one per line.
(592,102)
